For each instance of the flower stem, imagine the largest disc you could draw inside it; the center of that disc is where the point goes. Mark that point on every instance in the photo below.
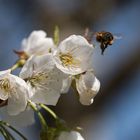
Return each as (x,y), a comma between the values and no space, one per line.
(41,118)
(18,64)
(56,35)
(14,67)
(4,134)
(9,135)
(12,128)
(49,110)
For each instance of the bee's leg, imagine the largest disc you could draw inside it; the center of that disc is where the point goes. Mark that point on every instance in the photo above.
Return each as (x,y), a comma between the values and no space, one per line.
(102,53)
(105,46)
(102,48)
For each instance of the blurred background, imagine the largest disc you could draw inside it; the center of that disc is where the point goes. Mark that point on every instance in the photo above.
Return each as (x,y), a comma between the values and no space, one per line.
(115,113)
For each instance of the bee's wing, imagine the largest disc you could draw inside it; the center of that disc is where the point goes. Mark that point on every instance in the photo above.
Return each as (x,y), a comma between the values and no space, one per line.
(117,36)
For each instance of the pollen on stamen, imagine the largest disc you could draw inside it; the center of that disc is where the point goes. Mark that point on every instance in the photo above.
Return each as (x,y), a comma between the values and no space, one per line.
(5,85)
(37,78)
(68,60)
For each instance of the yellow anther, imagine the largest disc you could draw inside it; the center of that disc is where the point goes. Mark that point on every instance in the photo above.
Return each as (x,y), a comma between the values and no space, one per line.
(37,78)
(5,85)
(68,60)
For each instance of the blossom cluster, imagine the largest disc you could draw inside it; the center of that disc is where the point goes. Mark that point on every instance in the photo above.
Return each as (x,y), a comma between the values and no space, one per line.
(49,70)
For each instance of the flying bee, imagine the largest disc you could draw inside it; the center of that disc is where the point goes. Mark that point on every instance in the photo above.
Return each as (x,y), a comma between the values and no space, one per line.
(105,39)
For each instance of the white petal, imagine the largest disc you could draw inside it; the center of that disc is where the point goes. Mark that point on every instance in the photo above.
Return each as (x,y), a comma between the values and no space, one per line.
(66,84)
(3,95)
(48,88)
(35,64)
(4,73)
(81,52)
(49,97)
(18,97)
(87,86)
(49,92)
(27,69)
(86,100)
(43,62)
(73,135)
(37,43)
(19,120)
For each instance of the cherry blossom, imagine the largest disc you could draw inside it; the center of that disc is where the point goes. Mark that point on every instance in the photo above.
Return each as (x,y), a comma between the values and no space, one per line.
(74,55)
(43,78)
(15,91)
(37,43)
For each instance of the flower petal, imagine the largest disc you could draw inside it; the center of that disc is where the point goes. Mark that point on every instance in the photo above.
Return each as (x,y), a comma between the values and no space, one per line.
(4,73)
(79,52)
(3,95)
(73,135)
(19,120)
(66,84)
(37,43)
(87,86)
(18,97)
(27,69)
(49,97)
(45,81)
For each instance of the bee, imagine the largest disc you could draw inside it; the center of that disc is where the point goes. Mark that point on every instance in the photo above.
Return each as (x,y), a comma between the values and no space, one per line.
(104,38)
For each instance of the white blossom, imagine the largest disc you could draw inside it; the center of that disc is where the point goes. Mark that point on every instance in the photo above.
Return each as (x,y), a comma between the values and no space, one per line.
(37,43)
(74,55)
(87,86)
(43,79)
(15,90)
(72,135)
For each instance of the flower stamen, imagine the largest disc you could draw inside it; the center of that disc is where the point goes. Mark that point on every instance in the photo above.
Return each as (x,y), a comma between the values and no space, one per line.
(37,78)
(67,59)
(5,85)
